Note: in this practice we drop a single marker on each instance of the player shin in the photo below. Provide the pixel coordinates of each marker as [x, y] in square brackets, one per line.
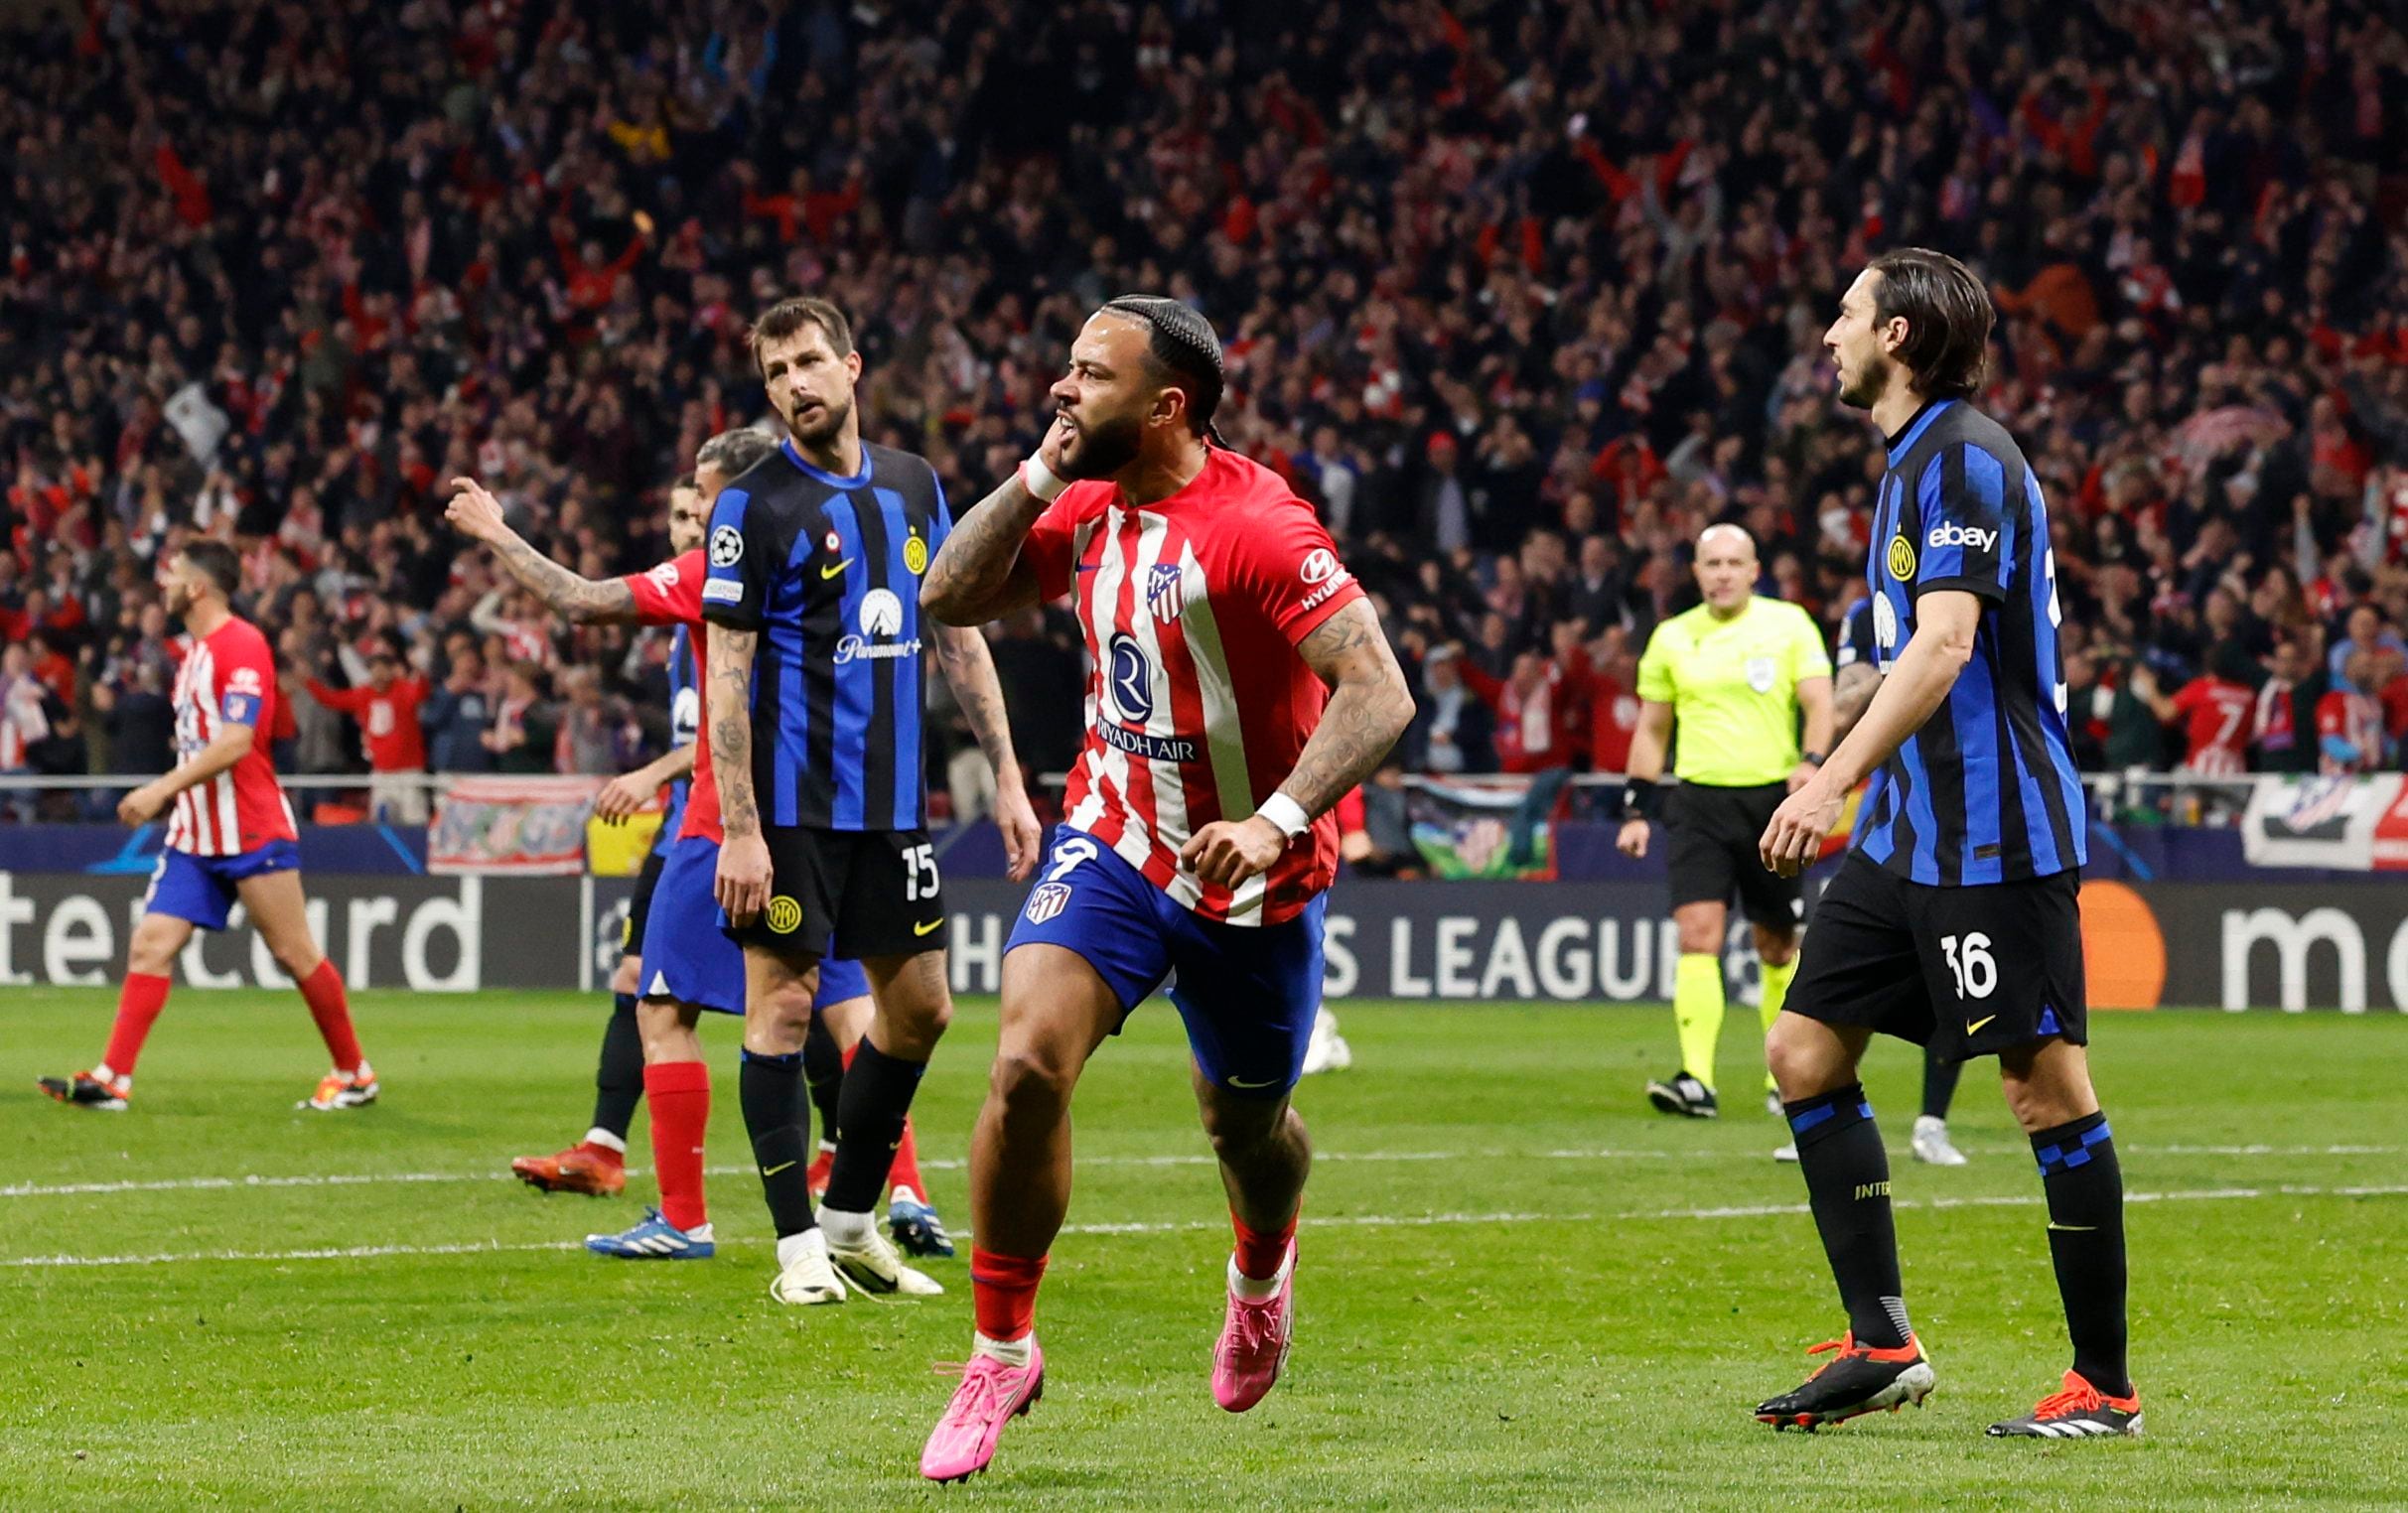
[1227, 621]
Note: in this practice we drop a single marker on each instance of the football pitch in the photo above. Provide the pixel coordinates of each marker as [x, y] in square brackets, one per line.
[1519, 1287]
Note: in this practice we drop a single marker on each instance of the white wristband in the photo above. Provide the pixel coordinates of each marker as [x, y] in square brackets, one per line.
[1038, 480]
[1287, 814]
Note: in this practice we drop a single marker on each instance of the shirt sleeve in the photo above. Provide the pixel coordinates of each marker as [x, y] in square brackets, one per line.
[670, 594]
[1808, 659]
[243, 680]
[1655, 670]
[743, 562]
[1288, 562]
[1961, 505]
[2191, 695]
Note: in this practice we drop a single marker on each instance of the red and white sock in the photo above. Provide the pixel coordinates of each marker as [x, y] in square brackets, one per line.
[138, 1005]
[904, 1175]
[680, 1095]
[603, 1146]
[322, 991]
[1254, 1266]
[1003, 1295]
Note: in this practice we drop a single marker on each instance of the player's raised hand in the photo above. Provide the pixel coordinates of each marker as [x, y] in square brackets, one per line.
[621, 797]
[1023, 837]
[475, 513]
[743, 884]
[1229, 852]
[1796, 836]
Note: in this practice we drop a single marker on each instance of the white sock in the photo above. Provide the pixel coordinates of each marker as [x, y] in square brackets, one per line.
[1012, 1352]
[793, 1248]
[102, 1074]
[598, 1136]
[902, 1194]
[827, 1147]
[847, 1229]
[1256, 1289]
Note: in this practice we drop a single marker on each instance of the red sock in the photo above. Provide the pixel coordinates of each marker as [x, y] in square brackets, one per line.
[1259, 1255]
[905, 1171]
[680, 1095]
[1003, 1293]
[138, 1005]
[322, 990]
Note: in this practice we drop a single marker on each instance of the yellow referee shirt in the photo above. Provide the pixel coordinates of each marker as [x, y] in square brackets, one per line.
[1732, 687]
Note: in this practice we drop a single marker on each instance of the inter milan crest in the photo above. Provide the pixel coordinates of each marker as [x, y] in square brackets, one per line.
[1165, 592]
[915, 555]
[1902, 558]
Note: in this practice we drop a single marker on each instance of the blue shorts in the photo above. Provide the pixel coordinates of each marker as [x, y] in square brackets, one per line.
[202, 888]
[1248, 993]
[687, 957]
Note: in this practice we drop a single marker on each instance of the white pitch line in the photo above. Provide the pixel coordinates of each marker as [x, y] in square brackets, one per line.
[1181, 1226]
[378, 1179]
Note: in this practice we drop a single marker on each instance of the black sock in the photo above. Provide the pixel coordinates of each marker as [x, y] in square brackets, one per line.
[2086, 1188]
[823, 1068]
[1848, 1183]
[1940, 1085]
[772, 1115]
[619, 1079]
[878, 1091]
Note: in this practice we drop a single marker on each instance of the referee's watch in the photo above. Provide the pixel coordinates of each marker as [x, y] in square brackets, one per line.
[1811, 758]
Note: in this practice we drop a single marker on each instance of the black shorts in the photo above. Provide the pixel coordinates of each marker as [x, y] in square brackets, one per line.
[1964, 971]
[854, 893]
[640, 905]
[1717, 836]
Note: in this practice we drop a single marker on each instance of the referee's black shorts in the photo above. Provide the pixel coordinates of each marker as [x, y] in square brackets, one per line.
[1716, 835]
[639, 906]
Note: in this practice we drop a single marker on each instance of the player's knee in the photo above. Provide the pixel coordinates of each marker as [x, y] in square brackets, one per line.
[1804, 1057]
[629, 972]
[1700, 939]
[1236, 1127]
[1776, 948]
[1029, 1081]
[298, 958]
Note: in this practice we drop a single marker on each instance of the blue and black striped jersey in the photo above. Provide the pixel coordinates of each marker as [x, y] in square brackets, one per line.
[1986, 791]
[828, 570]
[1856, 638]
[685, 722]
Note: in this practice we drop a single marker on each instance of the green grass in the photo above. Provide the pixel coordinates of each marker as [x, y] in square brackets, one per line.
[1592, 1341]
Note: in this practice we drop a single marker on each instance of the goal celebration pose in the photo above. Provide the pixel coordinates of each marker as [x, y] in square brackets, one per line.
[1243, 686]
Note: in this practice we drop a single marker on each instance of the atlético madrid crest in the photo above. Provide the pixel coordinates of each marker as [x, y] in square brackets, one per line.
[1045, 900]
[1165, 592]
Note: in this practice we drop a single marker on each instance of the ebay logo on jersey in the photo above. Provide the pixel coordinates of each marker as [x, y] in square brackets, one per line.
[1960, 535]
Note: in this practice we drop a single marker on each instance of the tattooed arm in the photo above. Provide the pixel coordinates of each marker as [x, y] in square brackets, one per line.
[980, 573]
[743, 884]
[1370, 706]
[572, 595]
[1852, 694]
[969, 667]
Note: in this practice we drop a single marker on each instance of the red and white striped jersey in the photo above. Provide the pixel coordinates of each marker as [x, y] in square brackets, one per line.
[1198, 705]
[229, 677]
[671, 595]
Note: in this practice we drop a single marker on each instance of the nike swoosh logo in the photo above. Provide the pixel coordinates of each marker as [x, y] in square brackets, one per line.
[2073, 1229]
[1242, 1082]
[930, 928]
[773, 1170]
[1975, 1026]
[834, 568]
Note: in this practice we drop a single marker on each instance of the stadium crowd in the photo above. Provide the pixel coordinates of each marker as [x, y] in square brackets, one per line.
[1522, 295]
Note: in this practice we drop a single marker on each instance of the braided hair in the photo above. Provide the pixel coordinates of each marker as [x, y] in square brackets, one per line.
[1182, 342]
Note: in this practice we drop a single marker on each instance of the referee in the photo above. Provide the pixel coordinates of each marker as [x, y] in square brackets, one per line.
[1732, 674]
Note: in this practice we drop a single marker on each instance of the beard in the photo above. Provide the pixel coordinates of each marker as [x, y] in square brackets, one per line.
[1104, 449]
[1870, 380]
[824, 426]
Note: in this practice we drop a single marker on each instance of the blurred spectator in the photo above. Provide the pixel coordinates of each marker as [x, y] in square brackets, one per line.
[525, 727]
[1450, 728]
[2349, 724]
[2283, 726]
[1375, 832]
[456, 717]
[386, 706]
